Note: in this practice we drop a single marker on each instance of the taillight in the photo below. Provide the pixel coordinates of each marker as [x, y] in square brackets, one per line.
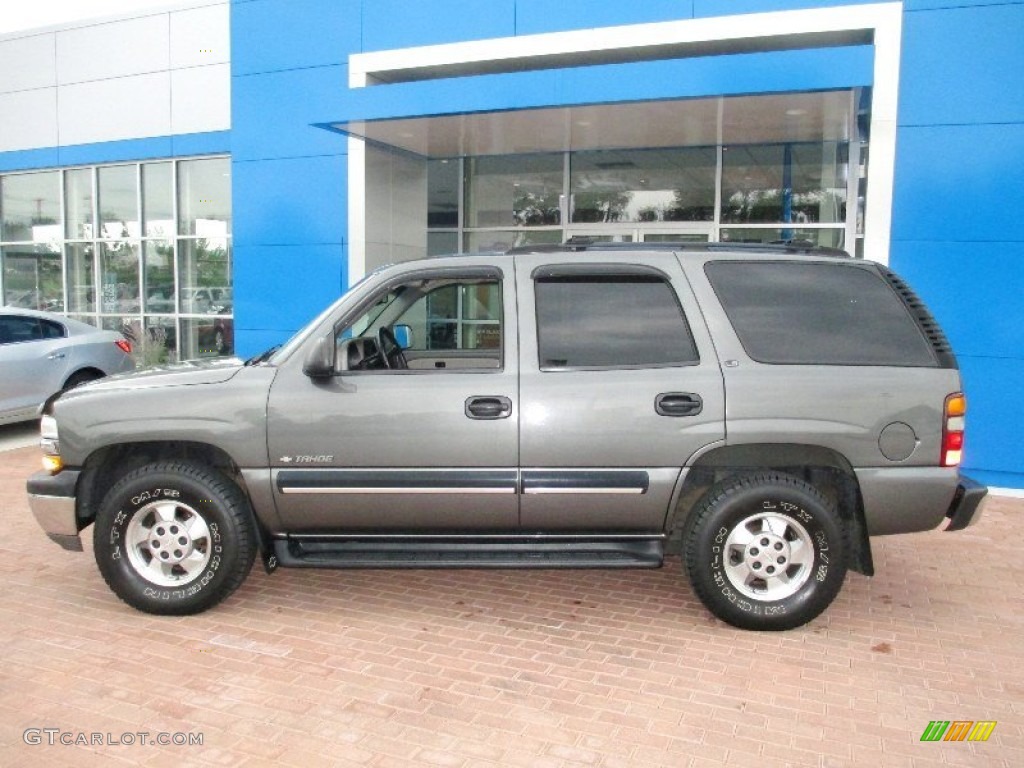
[124, 345]
[953, 429]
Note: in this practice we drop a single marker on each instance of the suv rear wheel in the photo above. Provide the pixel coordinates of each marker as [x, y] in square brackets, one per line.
[765, 551]
[174, 538]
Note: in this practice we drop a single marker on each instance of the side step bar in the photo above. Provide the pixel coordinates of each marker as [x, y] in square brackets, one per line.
[460, 552]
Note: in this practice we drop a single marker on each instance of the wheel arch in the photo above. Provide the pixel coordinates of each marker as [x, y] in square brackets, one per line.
[824, 468]
[106, 465]
[92, 370]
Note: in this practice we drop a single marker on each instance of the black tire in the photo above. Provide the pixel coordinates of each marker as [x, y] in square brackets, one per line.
[81, 377]
[189, 514]
[729, 549]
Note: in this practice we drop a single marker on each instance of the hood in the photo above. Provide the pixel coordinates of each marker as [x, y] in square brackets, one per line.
[182, 374]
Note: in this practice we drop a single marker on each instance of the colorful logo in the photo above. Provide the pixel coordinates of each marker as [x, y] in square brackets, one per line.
[958, 730]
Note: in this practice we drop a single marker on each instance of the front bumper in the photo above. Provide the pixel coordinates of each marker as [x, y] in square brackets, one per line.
[965, 509]
[52, 500]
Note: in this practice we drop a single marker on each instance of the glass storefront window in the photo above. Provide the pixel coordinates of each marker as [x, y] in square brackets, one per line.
[118, 201]
[30, 207]
[798, 183]
[158, 276]
[643, 185]
[78, 204]
[205, 276]
[101, 243]
[204, 197]
[159, 342]
[502, 240]
[205, 337]
[443, 193]
[830, 238]
[157, 200]
[79, 268]
[514, 190]
[439, 243]
[32, 277]
[119, 277]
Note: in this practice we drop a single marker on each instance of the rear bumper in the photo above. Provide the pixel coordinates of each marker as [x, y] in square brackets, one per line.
[52, 500]
[965, 509]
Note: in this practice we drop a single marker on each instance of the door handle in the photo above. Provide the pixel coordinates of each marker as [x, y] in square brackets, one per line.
[55, 356]
[678, 404]
[488, 407]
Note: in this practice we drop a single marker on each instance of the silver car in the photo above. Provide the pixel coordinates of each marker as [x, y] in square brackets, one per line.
[42, 353]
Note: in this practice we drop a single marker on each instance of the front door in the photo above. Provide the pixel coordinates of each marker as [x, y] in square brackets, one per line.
[418, 440]
[619, 387]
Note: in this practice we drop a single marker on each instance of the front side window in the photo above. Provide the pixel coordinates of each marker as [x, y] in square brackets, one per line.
[439, 324]
[610, 321]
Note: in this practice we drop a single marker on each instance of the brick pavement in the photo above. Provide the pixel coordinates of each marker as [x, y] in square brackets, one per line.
[514, 668]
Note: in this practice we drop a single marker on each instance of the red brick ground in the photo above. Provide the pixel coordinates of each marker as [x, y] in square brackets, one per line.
[507, 668]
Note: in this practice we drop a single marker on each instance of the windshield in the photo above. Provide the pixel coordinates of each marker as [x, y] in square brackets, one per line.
[286, 349]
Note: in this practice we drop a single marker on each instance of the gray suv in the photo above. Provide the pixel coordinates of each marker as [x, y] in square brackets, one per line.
[760, 411]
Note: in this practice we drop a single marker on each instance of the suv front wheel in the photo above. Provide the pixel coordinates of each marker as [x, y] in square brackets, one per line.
[765, 551]
[174, 538]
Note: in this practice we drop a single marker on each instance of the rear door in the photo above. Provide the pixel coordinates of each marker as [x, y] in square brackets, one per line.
[33, 360]
[619, 388]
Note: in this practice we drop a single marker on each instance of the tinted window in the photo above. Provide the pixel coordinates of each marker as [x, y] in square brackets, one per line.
[824, 314]
[610, 321]
[14, 329]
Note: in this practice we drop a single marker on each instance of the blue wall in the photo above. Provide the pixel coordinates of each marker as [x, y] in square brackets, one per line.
[958, 233]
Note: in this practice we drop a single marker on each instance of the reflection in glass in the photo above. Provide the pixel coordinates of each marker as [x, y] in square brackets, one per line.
[443, 193]
[157, 200]
[118, 201]
[205, 275]
[503, 240]
[32, 277]
[119, 277]
[204, 197]
[464, 317]
[830, 238]
[799, 183]
[514, 191]
[159, 344]
[78, 204]
[643, 185]
[81, 288]
[158, 276]
[205, 337]
[30, 203]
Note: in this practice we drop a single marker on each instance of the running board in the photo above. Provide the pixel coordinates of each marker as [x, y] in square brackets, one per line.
[460, 552]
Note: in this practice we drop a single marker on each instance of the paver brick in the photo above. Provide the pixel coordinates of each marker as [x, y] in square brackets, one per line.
[545, 669]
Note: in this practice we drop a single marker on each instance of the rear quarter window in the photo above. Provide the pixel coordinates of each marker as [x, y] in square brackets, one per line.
[817, 314]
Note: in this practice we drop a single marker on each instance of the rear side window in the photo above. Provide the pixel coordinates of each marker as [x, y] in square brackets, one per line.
[817, 314]
[16, 328]
[610, 321]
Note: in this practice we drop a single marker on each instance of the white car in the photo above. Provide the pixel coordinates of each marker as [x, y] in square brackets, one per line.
[42, 353]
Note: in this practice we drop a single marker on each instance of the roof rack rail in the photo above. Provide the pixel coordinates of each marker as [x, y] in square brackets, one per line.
[580, 244]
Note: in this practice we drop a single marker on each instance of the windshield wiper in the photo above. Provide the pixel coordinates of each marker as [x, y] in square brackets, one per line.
[262, 356]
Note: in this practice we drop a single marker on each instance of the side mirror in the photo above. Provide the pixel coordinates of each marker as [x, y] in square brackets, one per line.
[403, 335]
[319, 362]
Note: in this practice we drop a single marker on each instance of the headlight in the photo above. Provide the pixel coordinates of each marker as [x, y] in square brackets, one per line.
[50, 443]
